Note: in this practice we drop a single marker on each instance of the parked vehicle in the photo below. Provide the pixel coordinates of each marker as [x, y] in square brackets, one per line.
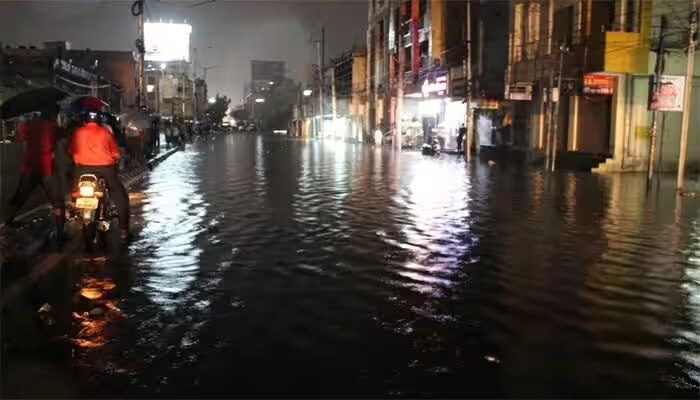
[97, 213]
[432, 149]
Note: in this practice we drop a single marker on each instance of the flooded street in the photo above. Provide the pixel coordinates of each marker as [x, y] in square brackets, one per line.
[270, 267]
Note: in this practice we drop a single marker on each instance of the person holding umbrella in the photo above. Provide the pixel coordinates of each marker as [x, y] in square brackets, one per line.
[40, 135]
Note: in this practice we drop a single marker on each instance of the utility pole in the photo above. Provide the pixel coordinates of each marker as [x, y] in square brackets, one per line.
[685, 122]
[321, 55]
[658, 70]
[194, 84]
[398, 128]
[550, 100]
[563, 49]
[333, 101]
[468, 78]
[137, 11]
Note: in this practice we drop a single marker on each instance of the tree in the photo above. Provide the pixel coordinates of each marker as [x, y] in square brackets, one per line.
[276, 111]
[240, 114]
[218, 109]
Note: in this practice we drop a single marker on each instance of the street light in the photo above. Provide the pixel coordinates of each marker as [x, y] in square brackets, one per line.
[307, 92]
[259, 100]
[163, 66]
[212, 100]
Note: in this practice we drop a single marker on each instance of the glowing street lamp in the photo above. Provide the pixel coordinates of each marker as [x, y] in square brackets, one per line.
[259, 100]
[212, 100]
[307, 92]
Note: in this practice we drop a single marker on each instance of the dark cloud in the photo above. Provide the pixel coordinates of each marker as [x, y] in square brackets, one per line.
[236, 31]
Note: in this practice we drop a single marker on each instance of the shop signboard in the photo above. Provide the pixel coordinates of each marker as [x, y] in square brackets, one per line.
[74, 70]
[487, 104]
[669, 94]
[438, 86]
[519, 92]
[598, 84]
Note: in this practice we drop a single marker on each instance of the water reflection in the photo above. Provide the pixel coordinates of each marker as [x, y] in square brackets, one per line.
[437, 201]
[173, 213]
[274, 267]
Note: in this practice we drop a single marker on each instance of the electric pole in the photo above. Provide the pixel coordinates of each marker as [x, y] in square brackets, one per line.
[194, 84]
[548, 135]
[468, 81]
[321, 55]
[563, 49]
[398, 129]
[137, 11]
[333, 101]
[685, 122]
[658, 70]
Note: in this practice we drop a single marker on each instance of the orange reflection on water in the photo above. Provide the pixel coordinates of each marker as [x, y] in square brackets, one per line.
[95, 325]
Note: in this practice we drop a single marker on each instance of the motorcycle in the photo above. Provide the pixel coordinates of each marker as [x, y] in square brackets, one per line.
[432, 149]
[97, 212]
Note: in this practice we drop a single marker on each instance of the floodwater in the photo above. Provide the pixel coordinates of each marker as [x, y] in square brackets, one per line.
[265, 266]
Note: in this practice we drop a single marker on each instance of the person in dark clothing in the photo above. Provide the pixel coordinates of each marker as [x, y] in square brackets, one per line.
[40, 135]
[460, 136]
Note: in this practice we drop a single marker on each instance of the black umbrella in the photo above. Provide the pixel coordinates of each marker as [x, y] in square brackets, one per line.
[30, 101]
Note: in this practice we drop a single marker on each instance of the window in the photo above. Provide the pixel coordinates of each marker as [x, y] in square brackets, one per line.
[533, 30]
[518, 32]
[632, 16]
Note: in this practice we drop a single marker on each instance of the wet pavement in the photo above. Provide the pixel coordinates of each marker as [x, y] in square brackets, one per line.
[265, 266]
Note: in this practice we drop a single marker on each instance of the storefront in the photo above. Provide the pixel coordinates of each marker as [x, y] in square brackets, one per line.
[428, 111]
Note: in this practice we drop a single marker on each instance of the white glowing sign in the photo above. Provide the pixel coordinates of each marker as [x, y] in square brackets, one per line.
[439, 86]
[166, 41]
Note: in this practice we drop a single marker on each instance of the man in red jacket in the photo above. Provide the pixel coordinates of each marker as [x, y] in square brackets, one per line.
[40, 135]
[94, 150]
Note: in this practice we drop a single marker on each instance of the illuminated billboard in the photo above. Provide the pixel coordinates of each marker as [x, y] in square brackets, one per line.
[166, 41]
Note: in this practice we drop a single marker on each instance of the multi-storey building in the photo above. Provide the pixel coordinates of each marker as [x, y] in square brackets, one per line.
[23, 68]
[432, 48]
[347, 94]
[171, 92]
[605, 50]
[117, 65]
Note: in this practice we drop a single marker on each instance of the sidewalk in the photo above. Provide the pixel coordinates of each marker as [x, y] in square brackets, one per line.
[35, 226]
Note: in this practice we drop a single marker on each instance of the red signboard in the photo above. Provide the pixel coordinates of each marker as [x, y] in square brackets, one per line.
[599, 84]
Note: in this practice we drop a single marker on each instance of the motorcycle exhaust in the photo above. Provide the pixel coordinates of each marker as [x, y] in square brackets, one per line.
[103, 226]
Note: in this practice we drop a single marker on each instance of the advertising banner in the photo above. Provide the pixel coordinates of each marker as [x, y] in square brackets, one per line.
[669, 94]
[166, 41]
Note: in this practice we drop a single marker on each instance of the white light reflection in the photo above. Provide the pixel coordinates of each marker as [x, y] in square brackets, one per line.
[693, 289]
[173, 214]
[438, 199]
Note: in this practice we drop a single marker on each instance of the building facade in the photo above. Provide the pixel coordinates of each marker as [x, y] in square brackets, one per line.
[171, 92]
[23, 68]
[119, 66]
[603, 52]
[345, 95]
[414, 41]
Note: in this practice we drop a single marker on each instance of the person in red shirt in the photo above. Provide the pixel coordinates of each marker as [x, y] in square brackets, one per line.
[40, 135]
[94, 150]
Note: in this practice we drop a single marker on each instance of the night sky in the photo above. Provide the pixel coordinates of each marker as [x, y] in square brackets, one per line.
[237, 31]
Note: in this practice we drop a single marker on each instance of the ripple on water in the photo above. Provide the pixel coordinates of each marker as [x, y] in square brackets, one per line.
[306, 267]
